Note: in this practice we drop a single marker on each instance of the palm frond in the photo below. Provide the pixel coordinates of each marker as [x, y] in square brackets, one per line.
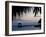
[36, 10]
[19, 9]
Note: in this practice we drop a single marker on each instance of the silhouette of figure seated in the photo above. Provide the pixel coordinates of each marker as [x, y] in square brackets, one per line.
[39, 22]
[19, 25]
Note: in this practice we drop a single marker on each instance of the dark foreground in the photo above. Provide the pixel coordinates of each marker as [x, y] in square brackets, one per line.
[26, 27]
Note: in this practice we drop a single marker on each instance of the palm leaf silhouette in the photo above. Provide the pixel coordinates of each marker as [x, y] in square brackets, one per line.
[20, 9]
[36, 10]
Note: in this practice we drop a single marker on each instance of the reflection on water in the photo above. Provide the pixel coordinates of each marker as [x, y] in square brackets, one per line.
[25, 25]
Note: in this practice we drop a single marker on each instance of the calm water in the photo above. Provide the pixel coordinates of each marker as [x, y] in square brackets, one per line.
[26, 25]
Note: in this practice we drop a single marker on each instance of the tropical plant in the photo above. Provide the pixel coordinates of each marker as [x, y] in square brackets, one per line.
[36, 10]
[20, 9]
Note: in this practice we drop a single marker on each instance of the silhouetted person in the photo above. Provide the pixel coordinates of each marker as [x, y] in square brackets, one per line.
[19, 25]
[39, 21]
